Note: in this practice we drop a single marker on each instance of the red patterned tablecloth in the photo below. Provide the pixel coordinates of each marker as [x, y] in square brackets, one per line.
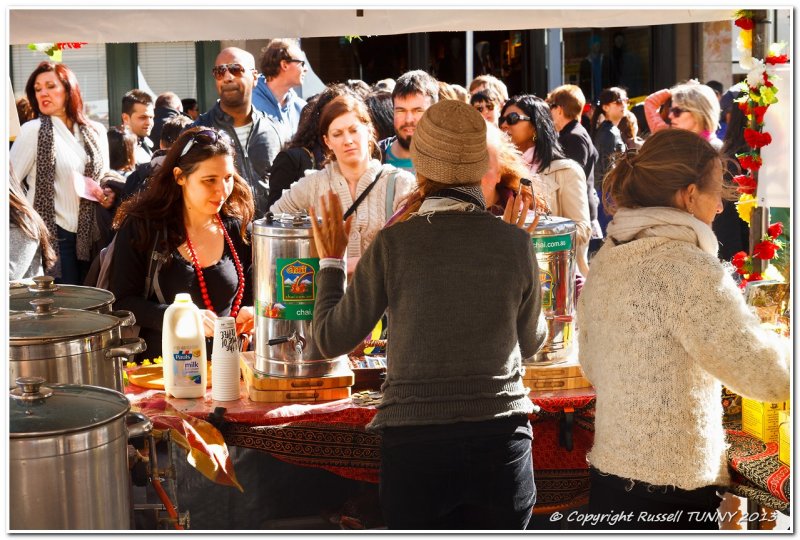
[757, 472]
[331, 436]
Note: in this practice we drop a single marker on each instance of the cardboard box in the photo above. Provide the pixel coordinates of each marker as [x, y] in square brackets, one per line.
[760, 419]
[785, 436]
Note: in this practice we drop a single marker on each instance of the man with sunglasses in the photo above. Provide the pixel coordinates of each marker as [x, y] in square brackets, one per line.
[566, 105]
[283, 67]
[254, 135]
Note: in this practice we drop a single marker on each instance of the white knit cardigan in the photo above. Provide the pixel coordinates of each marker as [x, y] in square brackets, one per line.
[661, 325]
[369, 217]
[70, 157]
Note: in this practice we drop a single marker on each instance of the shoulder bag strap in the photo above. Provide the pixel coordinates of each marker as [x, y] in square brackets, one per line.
[390, 189]
[363, 195]
[153, 268]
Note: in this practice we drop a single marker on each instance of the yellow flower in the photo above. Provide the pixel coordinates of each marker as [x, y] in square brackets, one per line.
[747, 39]
[745, 206]
[772, 274]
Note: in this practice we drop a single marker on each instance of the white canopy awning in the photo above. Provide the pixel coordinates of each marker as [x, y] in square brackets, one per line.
[149, 24]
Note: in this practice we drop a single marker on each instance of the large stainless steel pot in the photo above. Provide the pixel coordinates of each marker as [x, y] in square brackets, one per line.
[68, 464]
[70, 345]
[64, 296]
[554, 244]
[286, 265]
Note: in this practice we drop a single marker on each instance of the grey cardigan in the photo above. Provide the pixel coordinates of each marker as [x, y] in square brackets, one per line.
[464, 303]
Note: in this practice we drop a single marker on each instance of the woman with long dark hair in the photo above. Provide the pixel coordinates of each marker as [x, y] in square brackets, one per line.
[60, 158]
[194, 213]
[607, 139]
[527, 120]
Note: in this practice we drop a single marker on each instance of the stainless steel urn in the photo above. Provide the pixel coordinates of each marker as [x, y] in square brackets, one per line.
[286, 265]
[554, 245]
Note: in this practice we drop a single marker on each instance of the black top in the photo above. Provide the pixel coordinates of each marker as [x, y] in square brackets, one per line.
[608, 141]
[177, 275]
[577, 146]
[290, 165]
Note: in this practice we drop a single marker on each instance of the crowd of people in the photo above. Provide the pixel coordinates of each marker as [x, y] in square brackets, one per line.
[422, 189]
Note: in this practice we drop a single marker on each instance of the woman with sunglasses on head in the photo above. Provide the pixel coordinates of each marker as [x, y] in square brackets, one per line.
[368, 190]
[60, 158]
[194, 213]
[694, 107]
[663, 325]
[527, 120]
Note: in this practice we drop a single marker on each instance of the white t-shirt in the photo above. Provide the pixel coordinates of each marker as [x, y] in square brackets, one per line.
[242, 133]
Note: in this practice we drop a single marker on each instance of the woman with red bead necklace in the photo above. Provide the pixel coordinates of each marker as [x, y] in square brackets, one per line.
[196, 211]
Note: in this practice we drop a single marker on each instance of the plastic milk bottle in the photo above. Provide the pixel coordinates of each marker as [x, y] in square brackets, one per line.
[183, 346]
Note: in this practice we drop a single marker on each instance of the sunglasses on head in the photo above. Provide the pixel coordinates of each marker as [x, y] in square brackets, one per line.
[512, 119]
[676, 111]
[295, 60]
[205, 137]
[237, 70]
[485, 106]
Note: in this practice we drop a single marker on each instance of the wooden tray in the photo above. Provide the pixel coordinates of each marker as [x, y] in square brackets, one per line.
[153, 376]
[566, 383]
[259, 381]
[309, 395]
[561, 370]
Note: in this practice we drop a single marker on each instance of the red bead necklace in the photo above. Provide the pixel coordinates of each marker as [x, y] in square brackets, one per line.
[202, 280]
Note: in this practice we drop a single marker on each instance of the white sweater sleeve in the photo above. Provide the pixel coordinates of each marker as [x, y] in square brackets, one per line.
[299, 197]
[726, 338]
[102, 140]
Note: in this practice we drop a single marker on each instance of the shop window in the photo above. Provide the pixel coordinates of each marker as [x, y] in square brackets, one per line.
[168, 67]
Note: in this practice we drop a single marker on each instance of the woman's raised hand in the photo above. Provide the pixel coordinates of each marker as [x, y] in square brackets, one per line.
[331, 233]
[517, 209]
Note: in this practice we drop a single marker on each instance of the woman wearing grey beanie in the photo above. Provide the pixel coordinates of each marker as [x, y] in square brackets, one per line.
[456, 440]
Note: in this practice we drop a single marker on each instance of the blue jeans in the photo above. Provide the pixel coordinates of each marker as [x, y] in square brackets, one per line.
[73, 271]
[470, 482]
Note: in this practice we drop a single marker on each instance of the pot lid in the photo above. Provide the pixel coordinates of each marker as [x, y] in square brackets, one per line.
[291, 224]
[44, 322]
[36, 410]
[66, 296]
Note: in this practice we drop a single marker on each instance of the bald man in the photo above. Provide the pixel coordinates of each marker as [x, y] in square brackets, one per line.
[254, 135]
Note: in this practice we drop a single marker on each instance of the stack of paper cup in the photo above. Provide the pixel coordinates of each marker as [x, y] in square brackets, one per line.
[225, 361]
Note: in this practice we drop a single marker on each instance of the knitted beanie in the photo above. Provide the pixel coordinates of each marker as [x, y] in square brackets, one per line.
[449, 144]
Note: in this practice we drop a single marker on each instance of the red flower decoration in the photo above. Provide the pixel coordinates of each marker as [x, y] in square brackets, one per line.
[755, 139]
[765, 250]
[780, 59]
[759, 112]
[766, 80]
[747, 184]
[749, 161]
[739, 259]
[755, 277]
[745, 23]
[775, 230]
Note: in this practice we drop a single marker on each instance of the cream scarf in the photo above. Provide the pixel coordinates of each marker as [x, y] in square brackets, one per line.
[664, 222]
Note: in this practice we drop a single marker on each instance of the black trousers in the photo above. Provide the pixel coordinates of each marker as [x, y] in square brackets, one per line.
[475, 482]
[619, 503]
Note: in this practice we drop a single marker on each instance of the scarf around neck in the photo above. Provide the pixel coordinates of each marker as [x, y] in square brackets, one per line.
[467, 198]
[662, 222]
[44, 197]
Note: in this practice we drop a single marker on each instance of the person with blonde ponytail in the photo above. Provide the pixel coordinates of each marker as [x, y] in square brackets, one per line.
[663, 327]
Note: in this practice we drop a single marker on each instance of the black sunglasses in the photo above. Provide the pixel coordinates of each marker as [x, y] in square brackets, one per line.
[205, 137]
[237, 70]
[301, 62]
[512, 119]
[677, 111]
[487, 106]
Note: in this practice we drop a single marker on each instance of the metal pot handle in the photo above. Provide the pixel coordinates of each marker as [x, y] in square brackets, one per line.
[127, 348]
[138, 425]
[126, 318]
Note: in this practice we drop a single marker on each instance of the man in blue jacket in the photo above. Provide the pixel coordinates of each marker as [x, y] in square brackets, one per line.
[283, 67]
[252, 132]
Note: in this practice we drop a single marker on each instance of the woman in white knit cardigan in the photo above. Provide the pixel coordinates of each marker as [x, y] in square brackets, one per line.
[348, 135]
[663, 325]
